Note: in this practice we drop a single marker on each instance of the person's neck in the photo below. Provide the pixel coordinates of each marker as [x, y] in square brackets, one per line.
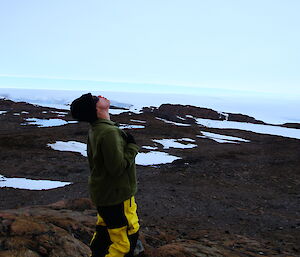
[103, 115]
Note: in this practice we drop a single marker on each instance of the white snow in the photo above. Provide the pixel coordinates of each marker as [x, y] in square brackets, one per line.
[226, 115]
[46, 123]
[141, 159]
[31, 184]
[71, 146]
[180, 118]
[154, 157]
[222, 138]
[17, 114]
[173, 143]
[2, 112]
[140, 121]
[60, 113]
[257, 128]
[149, 147]
[117, 111]
[187, 139]
[174, 123]
[127, 126]
[190, 116]
[150, 158]
[23, 112]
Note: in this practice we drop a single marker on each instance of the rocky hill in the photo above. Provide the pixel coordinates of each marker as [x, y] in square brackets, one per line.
[235, 198]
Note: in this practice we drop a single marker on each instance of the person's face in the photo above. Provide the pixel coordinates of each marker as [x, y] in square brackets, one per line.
[102, 103]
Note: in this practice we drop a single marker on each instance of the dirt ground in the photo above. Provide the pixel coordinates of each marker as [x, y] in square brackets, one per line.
[249, 189]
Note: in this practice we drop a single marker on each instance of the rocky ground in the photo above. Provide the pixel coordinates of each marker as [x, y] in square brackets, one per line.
[218, 200]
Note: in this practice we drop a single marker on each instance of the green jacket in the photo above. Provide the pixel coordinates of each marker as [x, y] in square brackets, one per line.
[112, 164]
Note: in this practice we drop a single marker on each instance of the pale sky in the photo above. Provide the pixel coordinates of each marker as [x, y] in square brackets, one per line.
[235, 44]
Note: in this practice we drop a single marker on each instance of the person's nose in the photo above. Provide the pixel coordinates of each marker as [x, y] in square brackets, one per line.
[100, 96]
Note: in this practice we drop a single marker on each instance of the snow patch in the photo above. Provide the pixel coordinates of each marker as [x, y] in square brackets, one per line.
[187, 139]
[149, 147]
[173, 143]
[60, 114]
[150, 158]
[117, 111]
[127, 126]
[226, 115]
[180, 118]
[190, 116]
[140, 121]
[70, 146]
[174, 123]
[222, 138]
[31, 184]
[154, 157]
[257, 128]
[47, 123]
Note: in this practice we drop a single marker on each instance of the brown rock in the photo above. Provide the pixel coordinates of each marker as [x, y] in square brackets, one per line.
[42, 231]
[19, 253]
[25, 225]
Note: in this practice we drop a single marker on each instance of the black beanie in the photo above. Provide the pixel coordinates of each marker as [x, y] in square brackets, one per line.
[84, 108]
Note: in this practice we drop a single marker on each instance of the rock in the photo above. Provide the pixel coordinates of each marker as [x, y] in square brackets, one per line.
[45, 231]
[190, 248]
[19, 253]
[172, 111]
[23, 225]
[66, 227]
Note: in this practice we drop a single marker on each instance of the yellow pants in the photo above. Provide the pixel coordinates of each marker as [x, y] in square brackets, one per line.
[116, 231]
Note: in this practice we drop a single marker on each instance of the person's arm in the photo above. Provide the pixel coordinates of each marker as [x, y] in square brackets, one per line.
[89, 153]
[131, 151]
[116, 158]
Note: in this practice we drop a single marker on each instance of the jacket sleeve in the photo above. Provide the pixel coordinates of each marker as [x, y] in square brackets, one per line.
[88, 151]
[116, 157]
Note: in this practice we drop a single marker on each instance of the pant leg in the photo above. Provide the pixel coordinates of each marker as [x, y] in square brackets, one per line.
[130, 207]
[122, 226]
[133, 240]
[101, 241]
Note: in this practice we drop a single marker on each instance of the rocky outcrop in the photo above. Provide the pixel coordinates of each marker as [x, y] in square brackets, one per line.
[64, 229]
[176, 112]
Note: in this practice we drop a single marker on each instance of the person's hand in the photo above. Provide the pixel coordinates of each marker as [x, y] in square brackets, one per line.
[130, 138]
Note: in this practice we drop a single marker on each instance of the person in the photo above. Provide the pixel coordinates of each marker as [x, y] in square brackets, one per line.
[112, 181]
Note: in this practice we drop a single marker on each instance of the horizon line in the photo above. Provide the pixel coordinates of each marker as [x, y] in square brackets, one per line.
[116, 81]
[149, 83]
